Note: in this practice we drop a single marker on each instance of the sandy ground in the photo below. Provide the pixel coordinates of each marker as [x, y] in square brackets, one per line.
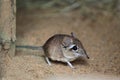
[100, 38]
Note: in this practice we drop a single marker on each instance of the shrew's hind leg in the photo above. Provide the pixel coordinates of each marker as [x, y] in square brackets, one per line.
[47, 60]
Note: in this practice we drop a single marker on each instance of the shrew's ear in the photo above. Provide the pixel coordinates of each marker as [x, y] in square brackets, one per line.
[73, 35]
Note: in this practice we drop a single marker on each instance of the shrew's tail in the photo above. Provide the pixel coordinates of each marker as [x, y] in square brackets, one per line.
[29, 47]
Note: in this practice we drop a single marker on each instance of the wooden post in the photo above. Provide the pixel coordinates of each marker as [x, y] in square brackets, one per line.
[7, 31]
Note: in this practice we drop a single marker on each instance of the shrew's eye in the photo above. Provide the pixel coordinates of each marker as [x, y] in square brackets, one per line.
[74, 47]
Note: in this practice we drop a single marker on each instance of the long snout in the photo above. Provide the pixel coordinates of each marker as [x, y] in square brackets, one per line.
[85, 54]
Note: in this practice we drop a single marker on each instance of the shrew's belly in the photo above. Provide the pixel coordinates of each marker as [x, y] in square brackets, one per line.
[63, 59]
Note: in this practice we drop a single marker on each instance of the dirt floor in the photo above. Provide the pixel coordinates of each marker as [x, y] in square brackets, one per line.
[100, 37]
